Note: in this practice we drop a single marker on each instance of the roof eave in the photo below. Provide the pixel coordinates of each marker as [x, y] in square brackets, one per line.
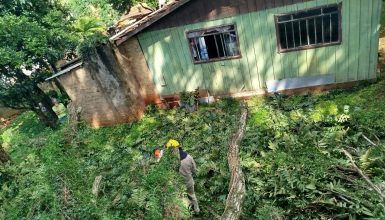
[145, 22]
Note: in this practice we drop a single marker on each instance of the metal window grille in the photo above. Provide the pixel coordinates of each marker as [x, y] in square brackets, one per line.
[310, 28]
[213, 44]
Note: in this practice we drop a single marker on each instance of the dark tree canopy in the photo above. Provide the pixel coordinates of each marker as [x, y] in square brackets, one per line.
[34, 35]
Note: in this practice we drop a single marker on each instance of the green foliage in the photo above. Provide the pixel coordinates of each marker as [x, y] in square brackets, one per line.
[292, 158]
[88, 44]
[33, 36]
[97, 9]
[190, 98]
[53, 171]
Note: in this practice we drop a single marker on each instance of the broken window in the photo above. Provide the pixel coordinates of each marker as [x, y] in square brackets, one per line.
[213, 44]
[309, 29]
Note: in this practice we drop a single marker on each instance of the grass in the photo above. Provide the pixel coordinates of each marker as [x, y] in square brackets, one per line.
[291, 156]
[53, 171]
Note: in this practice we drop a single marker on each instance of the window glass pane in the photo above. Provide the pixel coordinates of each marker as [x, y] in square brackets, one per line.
[319, 30]
[202, 49]
[232, 44]
[214, 43]
[282, 36]
[303, 33]
[327, 27]
[297, 36]
[308, 28]
[284, 18]
[220, 45]
[309, 13]
[330, 9]
[335, 28]
[289, 31]
[311, 30]
[193, 49]
[211, 47]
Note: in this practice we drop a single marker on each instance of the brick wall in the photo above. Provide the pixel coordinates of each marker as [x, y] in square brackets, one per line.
[112, 87]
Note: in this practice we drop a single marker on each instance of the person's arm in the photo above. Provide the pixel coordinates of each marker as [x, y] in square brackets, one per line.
[193, 166]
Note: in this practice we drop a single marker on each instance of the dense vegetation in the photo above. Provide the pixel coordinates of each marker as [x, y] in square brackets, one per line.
[35, 35]
[291, 156]
[293, 159]
[53, 172]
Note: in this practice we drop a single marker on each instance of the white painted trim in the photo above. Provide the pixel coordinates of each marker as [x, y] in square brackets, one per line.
[66, 70]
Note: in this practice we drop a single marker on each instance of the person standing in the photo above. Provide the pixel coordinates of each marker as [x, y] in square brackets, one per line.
[187, 169]
[60, 110]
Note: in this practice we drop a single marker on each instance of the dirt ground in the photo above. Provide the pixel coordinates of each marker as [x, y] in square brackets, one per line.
[7, 115]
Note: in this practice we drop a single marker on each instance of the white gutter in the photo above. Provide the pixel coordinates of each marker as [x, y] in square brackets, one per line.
[66, 70]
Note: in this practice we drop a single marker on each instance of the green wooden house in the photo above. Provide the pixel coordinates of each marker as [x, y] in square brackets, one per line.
[249, 47]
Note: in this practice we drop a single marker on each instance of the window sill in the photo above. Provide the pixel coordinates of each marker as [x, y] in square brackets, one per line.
[309, 47]
[217, 60]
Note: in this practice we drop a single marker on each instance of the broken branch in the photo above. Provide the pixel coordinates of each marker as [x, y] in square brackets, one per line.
[371, 142]
[237, 189]
[365, 177]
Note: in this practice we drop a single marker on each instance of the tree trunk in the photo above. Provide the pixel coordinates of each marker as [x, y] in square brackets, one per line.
[48, 117]
[237, 190]
[57, 83]
[4, 157]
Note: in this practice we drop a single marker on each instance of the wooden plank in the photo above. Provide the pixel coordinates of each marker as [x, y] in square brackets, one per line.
[233, 79]
[354, 39]
[303, 66]
[243, 6]
[269, 4]
[268, 45]
[187, 78]
[364, 48]
[217, 73]
[320, 65]
[331, 57]
[261, 5]
[197, 71]
[290, 59]
[147, 48]
[311, 56]
[252, 6]
[277, 57]
[250, 36]
[263, 60]
[376, 13]
[217, 9]
[161, 57]
[278, 3]
[287, 2]
[342, 53]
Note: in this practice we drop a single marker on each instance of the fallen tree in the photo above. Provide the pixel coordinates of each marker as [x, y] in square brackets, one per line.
[237, 190]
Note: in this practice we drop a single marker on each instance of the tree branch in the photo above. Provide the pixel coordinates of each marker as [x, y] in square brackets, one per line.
[366, 178]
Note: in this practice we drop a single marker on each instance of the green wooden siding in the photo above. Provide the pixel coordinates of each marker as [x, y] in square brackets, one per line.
[169, 60]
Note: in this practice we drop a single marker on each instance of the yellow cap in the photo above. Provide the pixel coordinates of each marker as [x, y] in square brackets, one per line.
[172, 143]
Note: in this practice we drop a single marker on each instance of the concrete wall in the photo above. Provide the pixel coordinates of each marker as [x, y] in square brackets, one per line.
[130, 57]
[112, 86]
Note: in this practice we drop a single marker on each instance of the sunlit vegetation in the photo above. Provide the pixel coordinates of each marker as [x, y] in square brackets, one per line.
[291, 156]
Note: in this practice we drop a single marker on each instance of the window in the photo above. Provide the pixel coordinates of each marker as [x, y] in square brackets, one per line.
[309, 29]
[213, 44]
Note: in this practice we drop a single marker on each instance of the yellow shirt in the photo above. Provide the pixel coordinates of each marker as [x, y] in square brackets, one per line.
[60, 110]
